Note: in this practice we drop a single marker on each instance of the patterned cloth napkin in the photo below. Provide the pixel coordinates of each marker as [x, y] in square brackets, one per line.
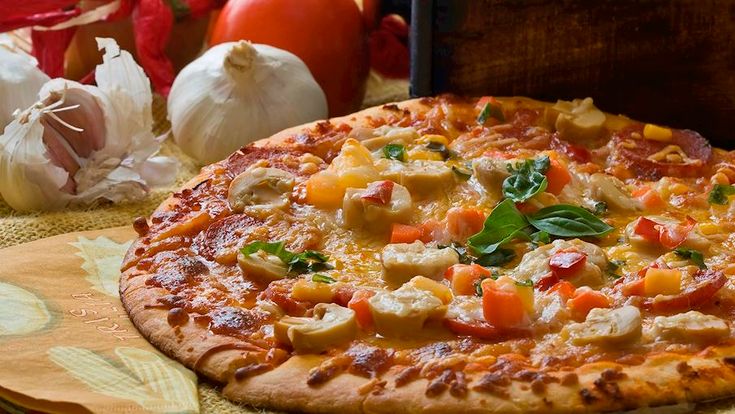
[67, 343]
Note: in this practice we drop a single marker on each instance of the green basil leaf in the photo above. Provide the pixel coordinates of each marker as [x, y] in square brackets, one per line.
[719, 194]
[614, 265]
[305, 262]
[445, 152]
[600, 208]
[491, 110]
[318, 277]
[499, 257]
[526, 179]
[564, 220]
[503, 224]
[395, 152]
[694, 255]
[277, 249]
[540, 237]
[464, 257]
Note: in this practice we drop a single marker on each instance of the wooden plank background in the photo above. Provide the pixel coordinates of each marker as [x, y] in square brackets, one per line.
[671, 62]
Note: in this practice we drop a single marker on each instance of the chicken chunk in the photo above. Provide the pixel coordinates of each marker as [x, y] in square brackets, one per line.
[260, 188]
[689, 326]
[421, 177]
[402, 261]
[535, 264]
[404, 311]
[606, 327]
[360, 210]
[613, 192]
[491, 172]
[578, 120]
[331, 325]
[403, 136]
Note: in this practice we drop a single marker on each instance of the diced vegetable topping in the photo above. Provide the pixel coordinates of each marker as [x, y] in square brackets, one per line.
[464, 278]
[656, 133]
[558, 177]
[378, 192]
[662, 282]
[404, 233]
[526, 179]
[585, 300]
[304, 262]
[395, 152]
[669, 236]
[567, 263]
[491, 108]
[719, 194]
[501, 308]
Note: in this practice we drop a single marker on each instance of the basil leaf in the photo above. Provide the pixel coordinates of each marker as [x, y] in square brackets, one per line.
[615, 264]
[395, 152]
[694, 255]
[462, 173]
[719, 194]
[499, 257]
[503, 224]
[540, 237]
[464, 257]
[526, 180]
[600, 208]
[277, 249]
[491, 110]
[318, 277]
[434, 146]
[564, 220]
[305, 262]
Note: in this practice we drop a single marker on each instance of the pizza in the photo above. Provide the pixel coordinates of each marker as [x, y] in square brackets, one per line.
[450, 254]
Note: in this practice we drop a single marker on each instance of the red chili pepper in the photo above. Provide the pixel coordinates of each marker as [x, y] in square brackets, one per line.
[49, 47]
[153, 20]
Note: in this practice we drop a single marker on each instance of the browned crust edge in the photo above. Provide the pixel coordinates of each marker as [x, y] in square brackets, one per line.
[660, 380]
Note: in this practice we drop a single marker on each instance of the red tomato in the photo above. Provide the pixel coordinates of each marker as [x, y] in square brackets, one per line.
[547, 281]
[379, 192]
[669, 236]
[328, 35]
[567, 264]
[648, 229]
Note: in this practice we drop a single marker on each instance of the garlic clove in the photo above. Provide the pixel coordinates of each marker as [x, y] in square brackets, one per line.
[84, 114]
[20, 81]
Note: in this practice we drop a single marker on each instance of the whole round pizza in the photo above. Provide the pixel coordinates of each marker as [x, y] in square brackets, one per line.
[450, 255]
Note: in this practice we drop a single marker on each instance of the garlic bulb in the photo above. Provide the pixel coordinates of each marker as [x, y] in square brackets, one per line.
[80, 143]
[239, 92]
[20, 81]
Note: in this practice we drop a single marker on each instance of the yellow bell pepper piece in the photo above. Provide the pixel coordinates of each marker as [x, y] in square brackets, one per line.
[315, 292]
[656, 133]
[662, 282]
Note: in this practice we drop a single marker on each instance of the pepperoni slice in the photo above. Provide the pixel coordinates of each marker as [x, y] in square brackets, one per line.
[632, 151]
[223, 238]
[708, 282]
[484, 330]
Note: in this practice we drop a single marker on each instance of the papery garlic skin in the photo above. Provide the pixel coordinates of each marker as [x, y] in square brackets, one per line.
[239, 92]
[79, 144]
[20, 80]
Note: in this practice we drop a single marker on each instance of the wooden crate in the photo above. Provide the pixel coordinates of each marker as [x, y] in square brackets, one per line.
[670, 62]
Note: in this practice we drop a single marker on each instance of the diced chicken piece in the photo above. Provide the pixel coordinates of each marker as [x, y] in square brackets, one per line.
[578, 120]
[606, 327]
[421, 177]
[553, 310]
[689, 326]
[491, 172]
[405, 136]
[260, 187]
[404, 311]
[695, 240]
[331, 325]
[403, 261]
[613, 192]
[466, 309]
[535, 264]
[261, 266]
[360, 211]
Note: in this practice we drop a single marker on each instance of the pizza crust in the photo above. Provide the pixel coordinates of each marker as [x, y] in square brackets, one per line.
[661, 380]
